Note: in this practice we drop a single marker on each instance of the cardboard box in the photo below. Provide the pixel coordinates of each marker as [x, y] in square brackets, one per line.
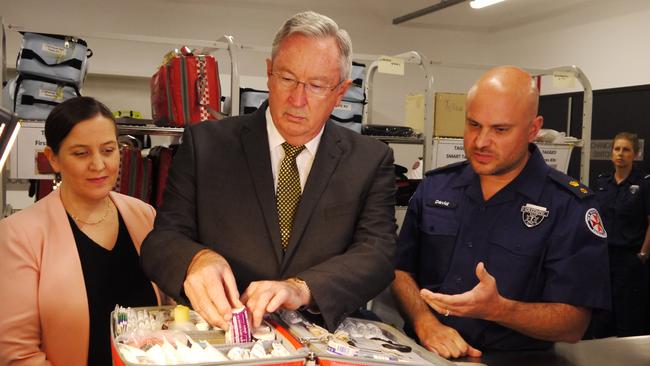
[449, 115]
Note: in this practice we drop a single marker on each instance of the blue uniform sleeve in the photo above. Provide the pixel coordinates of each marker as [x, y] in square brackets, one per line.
[409, 235]
[577, 263]
[645, 191]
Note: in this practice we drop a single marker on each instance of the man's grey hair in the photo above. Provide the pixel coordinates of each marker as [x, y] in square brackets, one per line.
[314, 25]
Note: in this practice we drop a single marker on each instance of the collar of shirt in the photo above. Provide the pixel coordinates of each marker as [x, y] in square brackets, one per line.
[528, 182]
[304, 160]
[634, 177]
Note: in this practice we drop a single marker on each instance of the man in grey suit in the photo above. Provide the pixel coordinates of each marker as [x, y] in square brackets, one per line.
[224, 226]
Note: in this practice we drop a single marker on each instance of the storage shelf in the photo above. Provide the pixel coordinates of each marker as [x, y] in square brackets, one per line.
[399, 140]
[148, 130]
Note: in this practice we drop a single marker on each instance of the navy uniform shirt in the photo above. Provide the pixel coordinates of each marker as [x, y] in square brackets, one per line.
[625, 208]
[540, 236]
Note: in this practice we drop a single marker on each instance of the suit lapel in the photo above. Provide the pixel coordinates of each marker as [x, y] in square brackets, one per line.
[256, 148]
[327, 158]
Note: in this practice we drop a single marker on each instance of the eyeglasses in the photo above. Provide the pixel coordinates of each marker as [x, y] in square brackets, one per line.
[313, 87]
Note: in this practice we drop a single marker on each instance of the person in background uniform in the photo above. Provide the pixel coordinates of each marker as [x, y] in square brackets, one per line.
[501, 251]
[226, 224]
[66, 261]
[624, 197]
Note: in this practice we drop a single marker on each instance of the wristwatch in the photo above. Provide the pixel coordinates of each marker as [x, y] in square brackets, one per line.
[301, 283]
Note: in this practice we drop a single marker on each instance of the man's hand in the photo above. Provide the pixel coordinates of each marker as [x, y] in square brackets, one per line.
[482, 302]
[443, 340]
[211, 288]
[263, 297]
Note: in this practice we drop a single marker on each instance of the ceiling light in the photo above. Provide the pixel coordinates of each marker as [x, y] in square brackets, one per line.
[478, 4]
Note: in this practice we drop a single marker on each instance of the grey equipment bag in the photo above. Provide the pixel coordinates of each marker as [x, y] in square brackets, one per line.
[33, 97]
[62, 58]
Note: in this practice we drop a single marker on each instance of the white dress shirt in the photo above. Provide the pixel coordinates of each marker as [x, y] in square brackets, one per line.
[304, 160]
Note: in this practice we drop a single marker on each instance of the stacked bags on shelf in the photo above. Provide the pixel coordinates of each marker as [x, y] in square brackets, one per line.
[51, 69]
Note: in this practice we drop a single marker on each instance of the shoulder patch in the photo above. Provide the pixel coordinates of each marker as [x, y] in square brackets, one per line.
[595, 223]
[578, 189]
[446, 168]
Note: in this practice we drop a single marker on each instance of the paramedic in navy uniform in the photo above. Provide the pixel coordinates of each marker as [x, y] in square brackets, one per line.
[507, 252]
[624, 197]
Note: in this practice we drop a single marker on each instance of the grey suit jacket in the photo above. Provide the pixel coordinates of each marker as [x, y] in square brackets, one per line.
[220, 195]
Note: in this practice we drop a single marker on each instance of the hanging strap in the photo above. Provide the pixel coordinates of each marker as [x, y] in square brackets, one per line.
[28, 54]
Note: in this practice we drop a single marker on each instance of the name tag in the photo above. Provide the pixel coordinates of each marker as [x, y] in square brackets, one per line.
[441, 203]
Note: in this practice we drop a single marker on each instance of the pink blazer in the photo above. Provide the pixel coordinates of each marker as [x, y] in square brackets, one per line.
[44, 310]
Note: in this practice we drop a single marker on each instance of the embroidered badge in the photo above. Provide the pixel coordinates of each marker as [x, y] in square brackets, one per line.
[634, 188]
[583, 190]
[533, 215]
[595, 223]
[574, 183]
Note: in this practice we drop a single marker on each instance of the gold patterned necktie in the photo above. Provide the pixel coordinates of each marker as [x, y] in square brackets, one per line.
[289, 191]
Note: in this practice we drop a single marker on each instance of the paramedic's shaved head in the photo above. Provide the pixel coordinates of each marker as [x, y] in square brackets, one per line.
[501, 121]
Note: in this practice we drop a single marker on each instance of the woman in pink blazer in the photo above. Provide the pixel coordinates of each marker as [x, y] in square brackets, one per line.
[68, 259]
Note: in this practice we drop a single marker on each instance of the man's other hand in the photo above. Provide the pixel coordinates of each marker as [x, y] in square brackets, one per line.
[263, 297]
[444, 341]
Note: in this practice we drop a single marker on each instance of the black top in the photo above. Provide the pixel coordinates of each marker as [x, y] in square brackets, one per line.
[625, 208]
[111, 277]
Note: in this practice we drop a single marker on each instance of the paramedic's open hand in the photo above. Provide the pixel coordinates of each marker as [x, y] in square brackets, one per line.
[263, 297]
[211, 288]
[481, 302]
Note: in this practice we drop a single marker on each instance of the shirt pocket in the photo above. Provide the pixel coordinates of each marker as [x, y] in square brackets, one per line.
[514, 258]
[438, 230]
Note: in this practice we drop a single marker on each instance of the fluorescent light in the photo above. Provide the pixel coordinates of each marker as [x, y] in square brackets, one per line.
[9, 127]
[12, 139]
[478, 4]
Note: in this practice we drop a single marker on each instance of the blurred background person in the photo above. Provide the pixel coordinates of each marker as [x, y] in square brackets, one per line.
[69, 258]
[624, 197]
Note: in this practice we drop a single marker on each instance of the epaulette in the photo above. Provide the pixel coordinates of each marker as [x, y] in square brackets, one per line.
[572, 185]
[452, 166]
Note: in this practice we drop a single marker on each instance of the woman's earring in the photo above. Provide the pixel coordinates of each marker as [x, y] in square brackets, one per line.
[56, 182]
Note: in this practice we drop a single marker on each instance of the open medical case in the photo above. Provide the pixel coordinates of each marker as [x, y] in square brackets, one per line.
[288, 339]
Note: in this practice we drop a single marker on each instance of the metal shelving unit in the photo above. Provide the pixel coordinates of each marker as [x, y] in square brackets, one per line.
[149, 130]
[205, 47]
[411, 57]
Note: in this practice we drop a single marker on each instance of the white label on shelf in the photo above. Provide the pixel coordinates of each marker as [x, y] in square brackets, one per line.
[30, 141]
[344, 106]
[55, 50]
[391, 65]
[556, 156]
[563, 79]
[51, 94]
[448, 152]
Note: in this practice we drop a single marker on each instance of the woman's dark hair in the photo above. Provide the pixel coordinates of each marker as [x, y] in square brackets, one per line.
[631, 137]
[66, 115]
